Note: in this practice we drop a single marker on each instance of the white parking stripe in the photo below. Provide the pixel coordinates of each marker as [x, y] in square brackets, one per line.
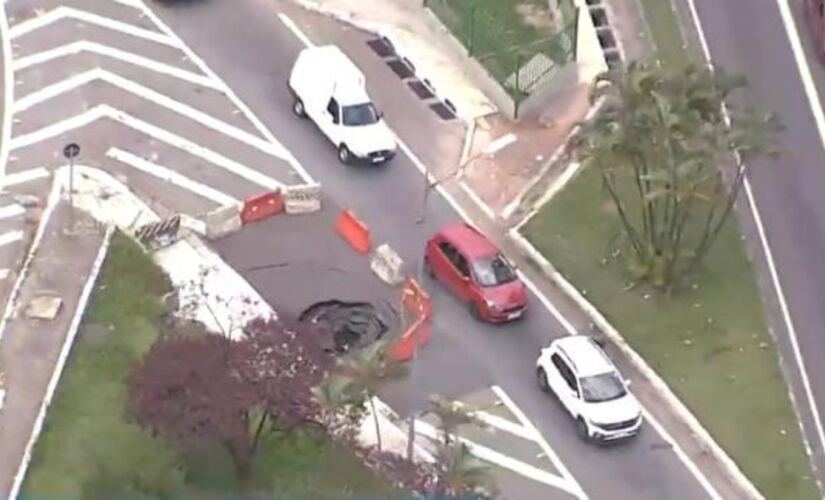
[149, 94]
[121, 55]
[502, 460]
[64, 12]
[10, 237]
[23, 176]
[171, 176]
[4, 273]
[8, 94]
[502, 424]
[13, 210]
[106, 111]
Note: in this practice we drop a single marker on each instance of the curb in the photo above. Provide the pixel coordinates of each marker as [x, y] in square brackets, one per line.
[74, 327]
[702, 436]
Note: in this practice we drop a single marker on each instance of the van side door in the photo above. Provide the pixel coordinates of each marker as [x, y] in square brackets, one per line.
[329, 121]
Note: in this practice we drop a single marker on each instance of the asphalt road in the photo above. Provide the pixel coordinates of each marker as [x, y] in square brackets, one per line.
[749, 38]
[246, 43]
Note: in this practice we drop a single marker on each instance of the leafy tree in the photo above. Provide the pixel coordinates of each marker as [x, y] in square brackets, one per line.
[203, 390]
[461, 474]
[663, 147]
[365, 370]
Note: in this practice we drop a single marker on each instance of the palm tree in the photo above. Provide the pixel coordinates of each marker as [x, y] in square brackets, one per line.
[663, 146]
[366, 369]
[451, 415]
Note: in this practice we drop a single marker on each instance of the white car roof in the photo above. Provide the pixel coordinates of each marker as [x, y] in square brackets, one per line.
[585, 354]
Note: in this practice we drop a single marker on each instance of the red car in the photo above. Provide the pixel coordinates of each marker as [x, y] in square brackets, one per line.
[476, 271]
[815, 13]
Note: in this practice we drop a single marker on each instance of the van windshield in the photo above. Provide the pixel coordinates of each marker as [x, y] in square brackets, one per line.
[360, 114]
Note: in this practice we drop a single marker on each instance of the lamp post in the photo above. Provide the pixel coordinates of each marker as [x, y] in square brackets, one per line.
[70, 152]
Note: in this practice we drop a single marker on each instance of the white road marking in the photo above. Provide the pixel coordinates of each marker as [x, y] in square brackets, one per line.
[8, 94]
[64, 12]
[13, 210]
[819, 118]
[257, 123]
[477, 200]
[106, 111]
[23, 176]
[502, 424]
[133, 87]
[4, 273]
[171, 176]
[299, 34]
[10, 237]
[121, 55]
[502, 460]
[539, 438]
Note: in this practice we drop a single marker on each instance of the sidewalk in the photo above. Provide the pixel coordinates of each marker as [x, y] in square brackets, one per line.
[32, 351]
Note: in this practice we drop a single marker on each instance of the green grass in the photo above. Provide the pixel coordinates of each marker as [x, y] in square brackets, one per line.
[86, 436]
[492, 30]
[710, 344]
[664, 30]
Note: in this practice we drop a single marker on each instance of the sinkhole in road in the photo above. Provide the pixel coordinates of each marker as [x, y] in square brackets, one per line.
[353, 325]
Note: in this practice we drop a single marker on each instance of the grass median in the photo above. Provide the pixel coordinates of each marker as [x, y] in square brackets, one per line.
[709, 342]
[89, 450]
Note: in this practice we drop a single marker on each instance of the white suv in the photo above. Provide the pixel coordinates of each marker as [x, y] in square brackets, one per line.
[590, 388]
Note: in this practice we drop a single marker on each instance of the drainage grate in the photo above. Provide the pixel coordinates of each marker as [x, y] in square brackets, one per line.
[613, 58]
[382, 46]
[420, 89]
[606, 38]
[599, 16]
[443, 112]
[401, 68]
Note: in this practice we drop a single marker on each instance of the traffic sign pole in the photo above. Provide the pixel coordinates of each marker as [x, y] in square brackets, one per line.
[70, 152]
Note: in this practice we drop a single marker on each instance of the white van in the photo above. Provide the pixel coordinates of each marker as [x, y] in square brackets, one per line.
[331, 90]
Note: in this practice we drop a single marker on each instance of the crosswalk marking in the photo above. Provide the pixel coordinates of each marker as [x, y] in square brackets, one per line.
[13, 210]
[16, 178]
[10, 237]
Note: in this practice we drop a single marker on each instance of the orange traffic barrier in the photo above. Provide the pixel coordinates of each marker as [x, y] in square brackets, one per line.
[416, 300]
[354, 231]
[262, 206]
[404, 348]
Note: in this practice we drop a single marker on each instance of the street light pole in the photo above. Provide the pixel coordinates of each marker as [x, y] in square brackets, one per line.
[70, 152]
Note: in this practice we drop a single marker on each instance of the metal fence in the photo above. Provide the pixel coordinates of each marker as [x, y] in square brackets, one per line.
[519, 57]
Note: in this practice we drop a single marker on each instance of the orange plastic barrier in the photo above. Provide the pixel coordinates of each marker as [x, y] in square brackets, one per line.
[354, 231]
[404, 349]
[417, 302]
[262, 206]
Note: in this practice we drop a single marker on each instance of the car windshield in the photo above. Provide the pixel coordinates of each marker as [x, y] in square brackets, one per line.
[604, 387]
[360, 114]
[493, 272]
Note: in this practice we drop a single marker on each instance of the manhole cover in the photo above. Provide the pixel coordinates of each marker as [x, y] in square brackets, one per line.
[382, 47]
[352, 324]
[401, 68]
[420, 89]
[443, 112]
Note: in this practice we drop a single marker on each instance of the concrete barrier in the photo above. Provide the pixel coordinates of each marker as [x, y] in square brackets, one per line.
[223, 221]
[388, 265]
[302, 199]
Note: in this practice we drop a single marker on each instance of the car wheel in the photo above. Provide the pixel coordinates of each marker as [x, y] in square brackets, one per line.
[475, 312]
[344, 155]
[541, 378]
[428, 269]
[581, 429]
[298, 108]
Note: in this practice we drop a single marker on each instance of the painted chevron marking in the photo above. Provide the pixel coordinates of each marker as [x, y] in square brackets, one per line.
[24, 176]
[106, 111]
[10, 237]
[121, 55]
[13, 210]
[128, 85]
[4, 273]
[64, 12]
[171, 176]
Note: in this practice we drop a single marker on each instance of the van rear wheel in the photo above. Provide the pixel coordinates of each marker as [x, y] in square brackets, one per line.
[344, 155]
[298, 108]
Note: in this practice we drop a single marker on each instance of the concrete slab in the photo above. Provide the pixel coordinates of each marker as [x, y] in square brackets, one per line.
[44, 308]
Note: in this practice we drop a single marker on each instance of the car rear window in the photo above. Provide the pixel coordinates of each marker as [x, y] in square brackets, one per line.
[493, 272]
